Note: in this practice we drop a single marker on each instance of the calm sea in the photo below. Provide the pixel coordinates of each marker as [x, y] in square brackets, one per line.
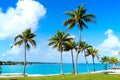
[48, 68]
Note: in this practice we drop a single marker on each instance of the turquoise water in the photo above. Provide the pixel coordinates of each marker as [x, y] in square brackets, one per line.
[48, 68]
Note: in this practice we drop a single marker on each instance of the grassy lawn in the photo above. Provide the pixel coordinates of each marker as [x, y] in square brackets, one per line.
[71, 77]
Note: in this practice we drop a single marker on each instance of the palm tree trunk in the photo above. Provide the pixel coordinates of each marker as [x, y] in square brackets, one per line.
[76, 64]
[93, 63]
[79, 34]
[0, 69]
[86, 62]
[24, 60]
[105, 66]
[114, 65]
[73, 61]
[79, 31]
[61, 68]
[61, 63]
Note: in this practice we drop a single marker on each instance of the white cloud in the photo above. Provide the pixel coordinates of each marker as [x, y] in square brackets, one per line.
[111, 45]
[26, 15]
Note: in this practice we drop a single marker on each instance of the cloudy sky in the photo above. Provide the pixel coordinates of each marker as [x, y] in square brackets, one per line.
[45, 17]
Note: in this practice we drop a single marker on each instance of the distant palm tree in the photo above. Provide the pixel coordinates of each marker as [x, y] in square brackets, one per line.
[94, 53]
[58, 41]
[83, 47]
[78, 17]
[104, 61]
[69, 46]
[118, 52]
[113, 60]
[27, 38]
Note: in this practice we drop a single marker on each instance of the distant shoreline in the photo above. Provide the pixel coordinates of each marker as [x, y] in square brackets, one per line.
[22, 63]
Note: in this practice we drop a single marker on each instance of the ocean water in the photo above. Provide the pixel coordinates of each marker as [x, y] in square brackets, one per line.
[49, 68]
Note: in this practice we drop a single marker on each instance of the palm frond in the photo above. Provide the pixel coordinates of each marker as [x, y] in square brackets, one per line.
[18, 36]
[31, 35]
[32, 42]
[70, 13]
[68, 21]
[80, 7]
[18, 43]
[89, 18]
[51, 43]
[27, 46]
[84, 25]
[71, 26]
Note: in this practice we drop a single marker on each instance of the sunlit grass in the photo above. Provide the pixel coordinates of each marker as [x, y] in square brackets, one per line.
[71, 77]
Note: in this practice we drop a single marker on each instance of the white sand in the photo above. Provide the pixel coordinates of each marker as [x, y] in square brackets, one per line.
[14, 75]
[107, 71]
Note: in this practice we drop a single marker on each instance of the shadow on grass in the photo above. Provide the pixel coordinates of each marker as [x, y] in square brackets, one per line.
[13, 79]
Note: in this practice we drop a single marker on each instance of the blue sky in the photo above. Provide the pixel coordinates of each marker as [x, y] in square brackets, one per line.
[46, 17]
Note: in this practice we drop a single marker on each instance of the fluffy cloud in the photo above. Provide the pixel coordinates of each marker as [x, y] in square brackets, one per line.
[111, 45]
[26, 15]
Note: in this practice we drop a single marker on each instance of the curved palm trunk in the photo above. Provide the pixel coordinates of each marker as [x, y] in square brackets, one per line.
[73, 61]
[86, 63]
[24, 60]
[93, 63]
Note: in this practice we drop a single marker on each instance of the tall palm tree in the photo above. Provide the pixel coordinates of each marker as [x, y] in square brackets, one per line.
[27, 38]
[78, 17]
[83, 47]
[57, 41]
[104, 61]
[69, 46]
[94, 53]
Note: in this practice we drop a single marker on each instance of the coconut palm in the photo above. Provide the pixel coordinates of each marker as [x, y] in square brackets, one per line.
[57, 41]
[94, 53]
[83, 47]
[27, 38]
[78, 17]
[69, 46]
[104, 61]
[118, 52]
[113, 60]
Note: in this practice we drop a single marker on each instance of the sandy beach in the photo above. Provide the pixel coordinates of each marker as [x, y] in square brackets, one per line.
[13, 75]
[110, 71]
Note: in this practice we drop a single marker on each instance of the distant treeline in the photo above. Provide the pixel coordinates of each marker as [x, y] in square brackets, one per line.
[22, 63]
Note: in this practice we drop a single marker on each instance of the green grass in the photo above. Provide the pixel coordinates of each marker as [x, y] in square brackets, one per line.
[71, 77]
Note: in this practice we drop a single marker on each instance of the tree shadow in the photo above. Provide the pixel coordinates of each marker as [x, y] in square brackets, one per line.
[13, 79]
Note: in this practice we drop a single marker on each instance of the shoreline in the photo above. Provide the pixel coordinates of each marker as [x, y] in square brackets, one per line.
[13, 75]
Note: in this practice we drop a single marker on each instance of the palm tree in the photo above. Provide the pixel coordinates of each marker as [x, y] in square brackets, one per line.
[113, 60]
[94, 53]
[104, 61]
[69, 46]
[118, 52]
[27, 38]
[78, 17]
[58, 41]
[83, 47]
